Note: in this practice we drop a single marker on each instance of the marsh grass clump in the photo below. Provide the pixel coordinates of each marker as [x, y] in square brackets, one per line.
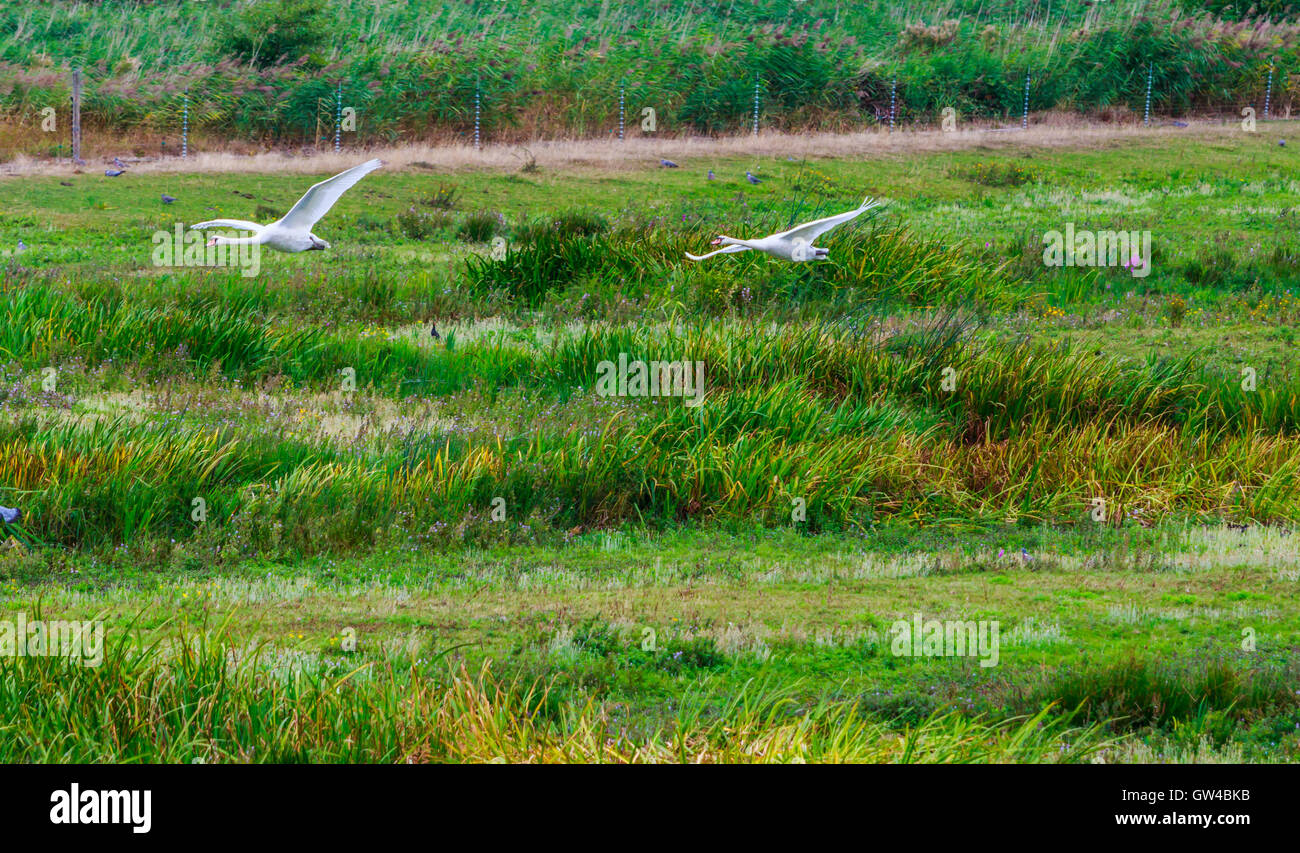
[442, 198]
[920, 36]
[994, 174]
[367, 222]
[673, 655]
[1213, 268]
[420, 224]
[529, 166]
[1138, 692]
[1176, 311]
[816, 182]
[480, 227]
[568, 223]
[551, 261]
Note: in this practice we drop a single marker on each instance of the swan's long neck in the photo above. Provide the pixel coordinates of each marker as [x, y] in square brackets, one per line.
[732, 241]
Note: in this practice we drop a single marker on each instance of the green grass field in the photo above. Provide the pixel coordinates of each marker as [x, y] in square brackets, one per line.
[313, 532]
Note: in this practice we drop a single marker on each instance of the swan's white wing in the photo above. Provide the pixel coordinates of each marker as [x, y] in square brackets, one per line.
[723, 251]
[810, 231]
[320, 198]
[241, 224]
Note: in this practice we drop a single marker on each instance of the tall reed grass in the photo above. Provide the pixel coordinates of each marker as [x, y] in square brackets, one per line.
[201, 697]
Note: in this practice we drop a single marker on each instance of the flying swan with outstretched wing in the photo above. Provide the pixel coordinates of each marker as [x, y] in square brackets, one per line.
[793, 245]
[292, 232]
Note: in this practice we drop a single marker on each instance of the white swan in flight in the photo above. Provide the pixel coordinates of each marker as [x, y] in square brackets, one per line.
[292, 232]
[793, 245]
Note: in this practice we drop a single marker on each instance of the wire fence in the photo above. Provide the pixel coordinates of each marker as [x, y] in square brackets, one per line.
[334, 116]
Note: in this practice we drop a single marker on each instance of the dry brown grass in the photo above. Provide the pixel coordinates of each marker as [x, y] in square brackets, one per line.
[1049, 131]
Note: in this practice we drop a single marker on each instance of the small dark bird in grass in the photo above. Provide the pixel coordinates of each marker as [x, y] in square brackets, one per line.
[1281, 143]
[668, 164]
[65, 183]
[749, 176]
[10, 515]
[710, 176]
[118, 163]
[433, 332]
[166, 199]
[113, 173]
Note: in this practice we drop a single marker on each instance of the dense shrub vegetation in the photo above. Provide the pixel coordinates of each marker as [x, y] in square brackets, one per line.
[271, 70]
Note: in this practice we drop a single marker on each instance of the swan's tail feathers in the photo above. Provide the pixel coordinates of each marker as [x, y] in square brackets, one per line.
[238, 224]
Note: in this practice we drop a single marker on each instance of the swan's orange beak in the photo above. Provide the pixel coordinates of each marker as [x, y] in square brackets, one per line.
[717, 242]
